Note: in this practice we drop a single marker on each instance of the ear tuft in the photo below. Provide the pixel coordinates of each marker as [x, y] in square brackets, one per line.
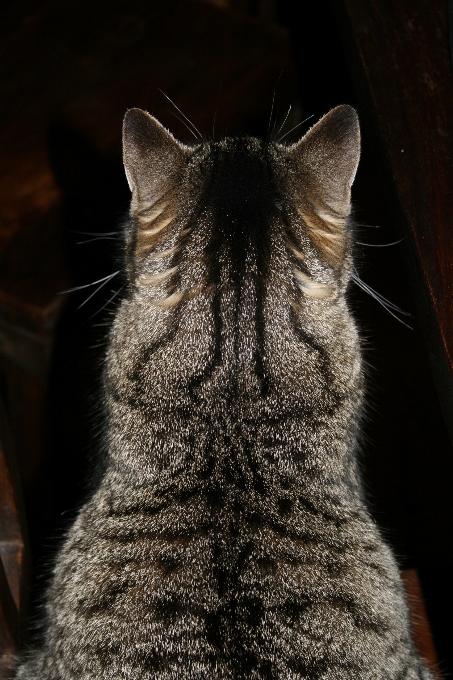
[152, 157]
[323, 167]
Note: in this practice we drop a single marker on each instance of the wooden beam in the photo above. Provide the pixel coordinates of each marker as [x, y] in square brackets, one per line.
[399, 56]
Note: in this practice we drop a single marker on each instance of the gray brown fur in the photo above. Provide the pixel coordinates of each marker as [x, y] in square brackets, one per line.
[229, 538]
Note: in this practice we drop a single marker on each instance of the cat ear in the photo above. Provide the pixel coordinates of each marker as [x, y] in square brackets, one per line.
[324, 163]
[151, 156]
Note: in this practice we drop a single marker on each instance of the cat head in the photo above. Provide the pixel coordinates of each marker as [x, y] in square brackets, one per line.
[254, 192]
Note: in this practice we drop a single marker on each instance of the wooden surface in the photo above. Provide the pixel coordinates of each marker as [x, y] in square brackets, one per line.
[421, 631]
[399, 53]
[12, 549]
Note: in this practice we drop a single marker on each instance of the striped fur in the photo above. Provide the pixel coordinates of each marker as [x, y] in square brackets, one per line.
[229, 538]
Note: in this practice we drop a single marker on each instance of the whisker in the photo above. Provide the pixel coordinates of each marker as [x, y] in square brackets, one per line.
[294, 128]
[200, 136]
[272, 106]
[380, 245]
[270, 117]
[184, 123]
[87, 285]
[286, 118]
[385, 303]
[95, 233]
[96, 291]
[98, 238]
[388, 306]
[376, 296]
[108, 302]
[275, 123]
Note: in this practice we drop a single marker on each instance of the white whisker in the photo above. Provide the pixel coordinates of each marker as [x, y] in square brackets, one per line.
[272, 109]
[98, 238]
[388, 306]
[184, 123]
[95, 233]
[286, 118]
[294, 128]
[96, 291]
[380, 245]
[387, 302]
[87, 285]
[272, 106]
[200, 136]
[108, 302]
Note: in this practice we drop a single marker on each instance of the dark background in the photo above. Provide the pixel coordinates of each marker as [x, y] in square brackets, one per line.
[81, 65]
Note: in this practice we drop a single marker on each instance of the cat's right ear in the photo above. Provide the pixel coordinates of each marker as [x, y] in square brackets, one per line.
[323, 165]
[152, 157]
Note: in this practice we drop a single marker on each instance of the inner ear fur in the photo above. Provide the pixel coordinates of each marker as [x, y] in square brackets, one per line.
[152, 157]
[323, 165]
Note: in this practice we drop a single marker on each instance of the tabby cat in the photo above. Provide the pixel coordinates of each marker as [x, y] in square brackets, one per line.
[229, 538]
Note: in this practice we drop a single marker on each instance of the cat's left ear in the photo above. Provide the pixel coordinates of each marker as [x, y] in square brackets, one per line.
[152, 157]
[323, 166]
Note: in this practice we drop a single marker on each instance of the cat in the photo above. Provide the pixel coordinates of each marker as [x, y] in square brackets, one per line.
[229, 537]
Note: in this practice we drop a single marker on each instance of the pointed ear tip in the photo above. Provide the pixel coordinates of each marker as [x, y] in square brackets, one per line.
[134, 110]
[139, 122]
[347, 116]
[130, 120]
[345, 109]
[133, 116]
